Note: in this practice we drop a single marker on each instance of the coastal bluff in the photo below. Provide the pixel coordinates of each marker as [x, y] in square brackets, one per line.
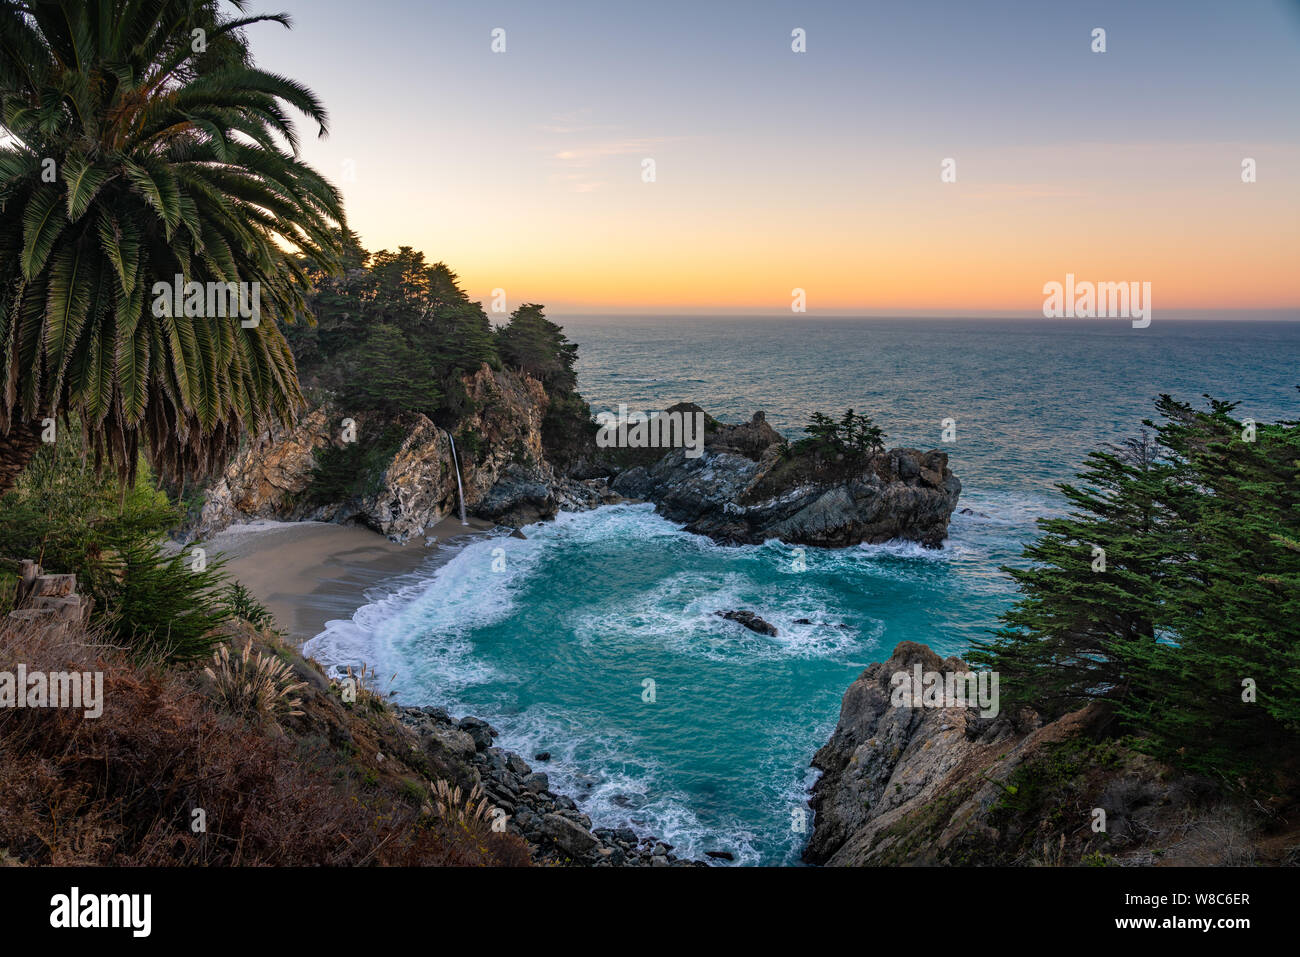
[407, 485]
[743, 488]
[946, 786]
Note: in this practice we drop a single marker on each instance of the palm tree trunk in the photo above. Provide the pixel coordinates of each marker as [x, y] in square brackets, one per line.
[16, 450]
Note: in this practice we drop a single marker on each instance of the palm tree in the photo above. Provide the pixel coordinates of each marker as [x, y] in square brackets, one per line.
[143, 144]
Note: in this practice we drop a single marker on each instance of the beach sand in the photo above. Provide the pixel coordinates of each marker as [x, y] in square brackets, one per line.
[308, 573]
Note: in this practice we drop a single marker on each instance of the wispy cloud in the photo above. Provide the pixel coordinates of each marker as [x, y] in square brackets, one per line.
[588, 156]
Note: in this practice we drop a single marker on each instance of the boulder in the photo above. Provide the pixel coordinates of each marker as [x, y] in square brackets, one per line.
[568, 835]
[750, 621]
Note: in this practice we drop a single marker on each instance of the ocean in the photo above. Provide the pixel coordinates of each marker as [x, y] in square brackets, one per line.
[595, 638]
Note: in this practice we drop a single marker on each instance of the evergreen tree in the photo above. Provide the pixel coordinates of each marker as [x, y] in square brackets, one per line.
[536, 345]
[1230, 613]
[1190, 629]
[1089, 598]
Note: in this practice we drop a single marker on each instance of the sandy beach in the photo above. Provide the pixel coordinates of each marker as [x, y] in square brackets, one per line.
[308, 573]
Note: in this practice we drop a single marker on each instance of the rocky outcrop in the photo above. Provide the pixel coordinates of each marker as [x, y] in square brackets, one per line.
[905, 784]
[264, 480]
[556, 829]
[741, 490]
[750, 621]
[505, 475]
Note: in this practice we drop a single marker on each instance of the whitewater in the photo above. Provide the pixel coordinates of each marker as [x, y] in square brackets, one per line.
[553, 637]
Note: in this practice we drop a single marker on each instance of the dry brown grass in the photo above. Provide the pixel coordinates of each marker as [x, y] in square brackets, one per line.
[124, 788]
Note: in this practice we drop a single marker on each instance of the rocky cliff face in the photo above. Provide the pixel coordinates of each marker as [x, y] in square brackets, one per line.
[741, 491]
[921, 785]
[505, 475]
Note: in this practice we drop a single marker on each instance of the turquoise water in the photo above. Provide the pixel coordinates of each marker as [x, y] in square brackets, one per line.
[553, 637]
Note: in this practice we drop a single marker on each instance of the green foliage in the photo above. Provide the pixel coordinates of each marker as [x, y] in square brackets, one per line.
[853, 437]
[161, 606]
[243, 605]
[8, 591]
[65, 517]
[72, 521]
[355, 468]
[531, 342]
[394, 334]
[167, 161]
[391, 377]
[1198, 600]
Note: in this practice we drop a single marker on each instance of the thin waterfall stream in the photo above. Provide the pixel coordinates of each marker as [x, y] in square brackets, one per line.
[460, 489]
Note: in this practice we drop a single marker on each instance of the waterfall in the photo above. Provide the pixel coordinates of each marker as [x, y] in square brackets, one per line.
[460, 489]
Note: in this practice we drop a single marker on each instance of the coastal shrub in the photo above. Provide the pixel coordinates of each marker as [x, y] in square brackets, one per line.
[341, 472]
[72, 521]
[162, 606]
[245, 606]
[1172, 592]
[569, 431]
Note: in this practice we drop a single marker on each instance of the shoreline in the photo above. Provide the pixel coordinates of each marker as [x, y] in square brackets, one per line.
[310, 573]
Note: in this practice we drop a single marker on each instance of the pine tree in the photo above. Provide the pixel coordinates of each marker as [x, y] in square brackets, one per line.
[1231, 612]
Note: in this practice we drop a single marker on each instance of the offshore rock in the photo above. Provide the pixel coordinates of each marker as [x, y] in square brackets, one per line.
[741, 491]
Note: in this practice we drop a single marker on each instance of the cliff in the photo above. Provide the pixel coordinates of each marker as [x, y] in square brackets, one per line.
[946, 786]
[405, 481]
[398, 477]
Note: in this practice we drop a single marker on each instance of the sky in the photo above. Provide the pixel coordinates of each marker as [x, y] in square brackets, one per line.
[524, 170]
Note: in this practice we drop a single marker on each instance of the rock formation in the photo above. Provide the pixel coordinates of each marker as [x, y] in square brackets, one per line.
[50, 602]
[742, 491]
[556, 830]
[506, 476]
[918, 785]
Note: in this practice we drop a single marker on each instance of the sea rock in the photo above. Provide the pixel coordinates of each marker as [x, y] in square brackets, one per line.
[479, 731]
[741, 491]
[537, 782]
[519, 497]
[750, 621]
[454, 740]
